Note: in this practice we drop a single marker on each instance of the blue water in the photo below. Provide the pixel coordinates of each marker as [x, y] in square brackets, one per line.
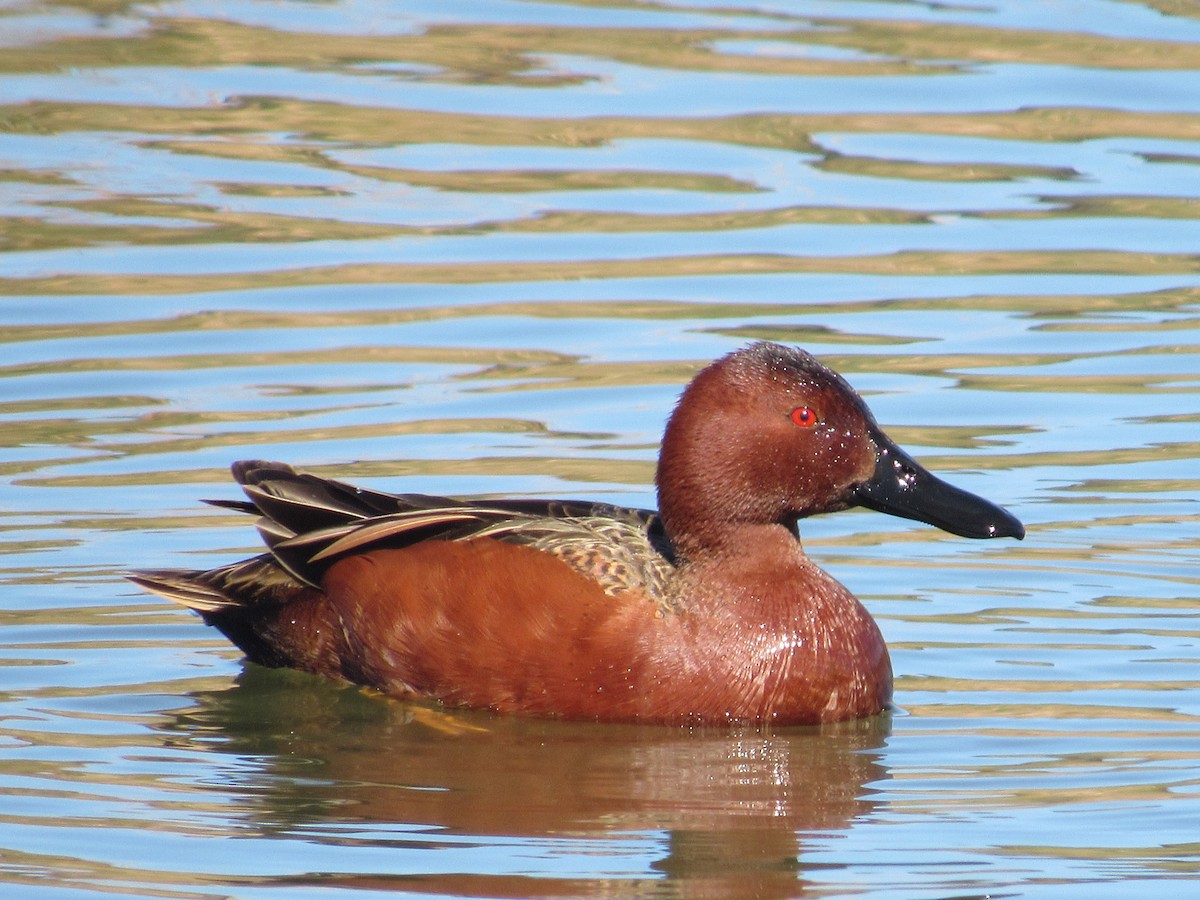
[477, 248]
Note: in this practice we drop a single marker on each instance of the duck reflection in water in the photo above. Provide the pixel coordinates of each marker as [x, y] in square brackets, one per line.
[708, 611]
[701, 812]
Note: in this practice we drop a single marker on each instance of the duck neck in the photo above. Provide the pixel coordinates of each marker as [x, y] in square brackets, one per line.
[735, 542]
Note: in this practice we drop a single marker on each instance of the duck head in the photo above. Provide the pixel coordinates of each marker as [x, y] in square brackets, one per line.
[768, 435]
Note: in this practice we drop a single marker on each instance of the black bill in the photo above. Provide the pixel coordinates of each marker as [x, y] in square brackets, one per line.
[901, 487]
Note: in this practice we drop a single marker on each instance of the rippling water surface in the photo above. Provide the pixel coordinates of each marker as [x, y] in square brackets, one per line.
[477, 248]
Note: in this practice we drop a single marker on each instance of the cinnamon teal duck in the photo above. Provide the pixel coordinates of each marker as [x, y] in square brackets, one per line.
[707, 611]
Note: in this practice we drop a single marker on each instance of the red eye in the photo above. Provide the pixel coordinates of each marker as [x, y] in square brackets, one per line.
[804, 416]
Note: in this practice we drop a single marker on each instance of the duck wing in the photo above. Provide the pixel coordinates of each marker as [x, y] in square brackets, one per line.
[309, 522]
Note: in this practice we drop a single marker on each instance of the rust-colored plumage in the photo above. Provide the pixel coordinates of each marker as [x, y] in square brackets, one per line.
[708, 611]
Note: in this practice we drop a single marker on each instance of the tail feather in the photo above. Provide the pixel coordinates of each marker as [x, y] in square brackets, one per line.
[183, 586]
[256, 582]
